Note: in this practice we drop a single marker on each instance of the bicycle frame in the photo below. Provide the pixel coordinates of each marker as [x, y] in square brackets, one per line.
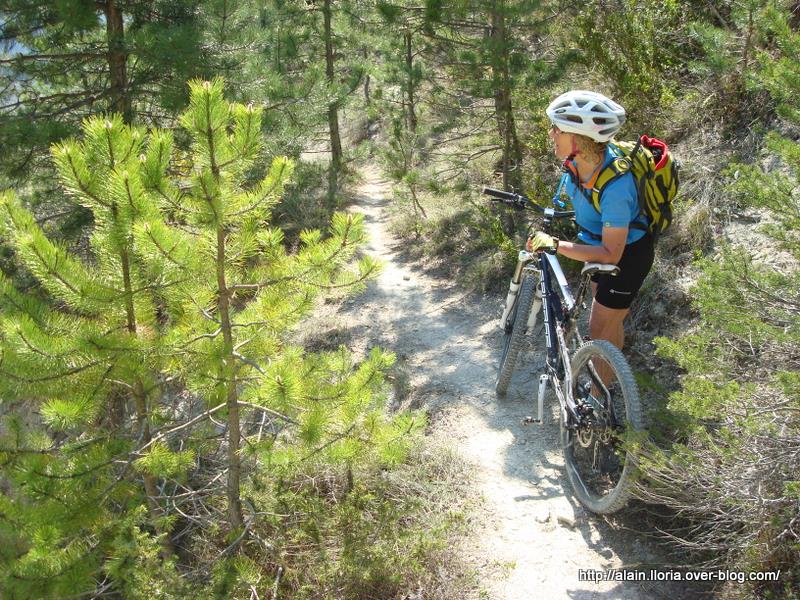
[597, 463]
[560, 310]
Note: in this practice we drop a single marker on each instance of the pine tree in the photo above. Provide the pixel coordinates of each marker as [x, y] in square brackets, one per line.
[399, 37]
[315, 56]
[486, 45]
[64, 61]
[187, 285]
[78, 355]
[229, 323]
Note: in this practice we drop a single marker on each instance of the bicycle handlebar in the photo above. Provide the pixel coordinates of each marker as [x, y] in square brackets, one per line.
[520, 201]
[499, 194]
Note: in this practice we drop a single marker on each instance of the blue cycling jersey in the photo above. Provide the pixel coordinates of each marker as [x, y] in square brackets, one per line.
[619, 206]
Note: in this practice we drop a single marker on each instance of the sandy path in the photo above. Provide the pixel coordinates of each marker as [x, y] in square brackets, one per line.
[533, 539]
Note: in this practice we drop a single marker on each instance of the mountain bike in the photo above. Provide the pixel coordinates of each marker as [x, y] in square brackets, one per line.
[600, 411]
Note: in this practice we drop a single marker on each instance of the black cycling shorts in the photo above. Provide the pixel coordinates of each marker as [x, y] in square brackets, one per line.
[618, 291]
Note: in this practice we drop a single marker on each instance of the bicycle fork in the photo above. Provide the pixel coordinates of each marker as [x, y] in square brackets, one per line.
[523, 260]
[556, 347]
[544, 378]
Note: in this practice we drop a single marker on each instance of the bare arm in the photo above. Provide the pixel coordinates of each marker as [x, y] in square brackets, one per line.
[608, 252]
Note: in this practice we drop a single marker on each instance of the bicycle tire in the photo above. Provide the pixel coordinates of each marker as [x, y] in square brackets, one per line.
[596, 490]
[514, 340]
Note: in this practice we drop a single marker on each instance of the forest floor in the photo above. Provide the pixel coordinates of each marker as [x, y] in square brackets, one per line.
[530, 538]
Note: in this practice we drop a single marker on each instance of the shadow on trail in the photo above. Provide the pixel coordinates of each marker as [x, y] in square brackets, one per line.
[407, 312]
[646, 588]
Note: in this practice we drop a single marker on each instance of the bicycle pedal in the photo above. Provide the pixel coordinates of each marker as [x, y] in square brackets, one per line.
[531, 421]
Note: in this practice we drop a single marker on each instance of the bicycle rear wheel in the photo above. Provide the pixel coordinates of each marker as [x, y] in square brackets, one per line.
[515, 328]
[597, 453]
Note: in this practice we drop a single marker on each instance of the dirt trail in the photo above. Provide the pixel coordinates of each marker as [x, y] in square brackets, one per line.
[532, 537]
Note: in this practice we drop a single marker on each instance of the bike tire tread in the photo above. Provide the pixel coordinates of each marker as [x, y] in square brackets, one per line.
[525, 298]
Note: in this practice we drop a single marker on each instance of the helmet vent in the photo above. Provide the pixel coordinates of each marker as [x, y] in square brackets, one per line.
[587, 113]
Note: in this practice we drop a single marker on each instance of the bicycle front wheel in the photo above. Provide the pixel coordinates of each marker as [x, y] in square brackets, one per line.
[598, 457]
[515, 328]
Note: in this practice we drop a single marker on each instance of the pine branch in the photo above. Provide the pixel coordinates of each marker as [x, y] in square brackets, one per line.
[86, 96]
[209, 336]
[329, 443]
[209, 198]
[264, 196]
[46, 57]
[77, 474]
[53, 377]
[165, 253]
[189, 423]
[36, 350]
[205, 313]
[68, 567]
[249, 362]
[348, 284]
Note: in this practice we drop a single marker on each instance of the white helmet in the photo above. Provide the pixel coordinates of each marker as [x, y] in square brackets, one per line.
[587, 113]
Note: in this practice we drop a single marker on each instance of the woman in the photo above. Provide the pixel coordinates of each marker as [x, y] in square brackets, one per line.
[582, 125]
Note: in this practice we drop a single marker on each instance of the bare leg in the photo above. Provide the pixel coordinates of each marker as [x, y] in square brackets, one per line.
[607, 324]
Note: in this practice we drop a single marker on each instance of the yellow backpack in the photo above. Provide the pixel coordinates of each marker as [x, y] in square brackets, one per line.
[656, 175]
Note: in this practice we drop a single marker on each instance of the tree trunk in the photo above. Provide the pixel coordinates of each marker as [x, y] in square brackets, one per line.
[235, 519]
[278, 63]
[367, 99]
[333, 106]
[748, 42]
[117, 61]
[504, 113]
[512, 149]
[143, 413]
[150, 482]
[415, 200]
[412, 113]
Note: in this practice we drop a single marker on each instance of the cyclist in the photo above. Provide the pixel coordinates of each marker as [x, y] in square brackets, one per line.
[582, 124]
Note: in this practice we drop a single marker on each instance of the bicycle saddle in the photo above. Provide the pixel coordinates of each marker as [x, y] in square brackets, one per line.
[592, 268]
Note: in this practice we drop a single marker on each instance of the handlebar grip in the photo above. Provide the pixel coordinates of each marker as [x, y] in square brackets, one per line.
[499, 194]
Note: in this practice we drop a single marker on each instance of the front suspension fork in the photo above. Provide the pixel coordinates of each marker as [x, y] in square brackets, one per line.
[523, 260]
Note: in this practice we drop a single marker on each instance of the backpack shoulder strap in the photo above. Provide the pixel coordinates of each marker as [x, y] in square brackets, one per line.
[617, 168]
[623, 163]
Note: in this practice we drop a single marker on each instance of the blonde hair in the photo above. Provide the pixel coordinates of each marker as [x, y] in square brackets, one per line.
[589, 148]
